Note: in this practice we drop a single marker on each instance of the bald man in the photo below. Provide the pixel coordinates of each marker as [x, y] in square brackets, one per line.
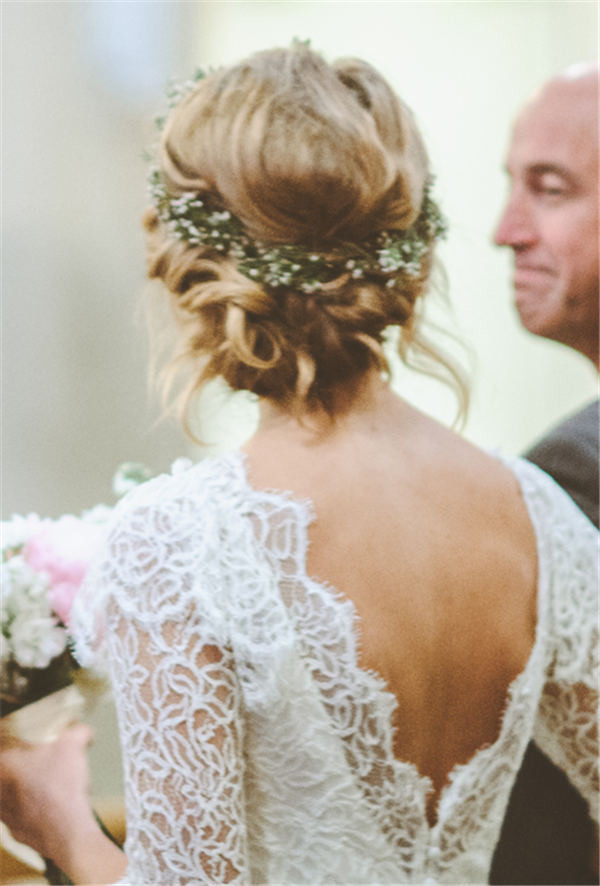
[551, 222]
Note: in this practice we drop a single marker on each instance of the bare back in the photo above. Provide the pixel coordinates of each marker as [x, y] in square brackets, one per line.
[430, 539]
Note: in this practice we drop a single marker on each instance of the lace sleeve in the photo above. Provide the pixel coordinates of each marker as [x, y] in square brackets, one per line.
[567, 722]
[176, 693]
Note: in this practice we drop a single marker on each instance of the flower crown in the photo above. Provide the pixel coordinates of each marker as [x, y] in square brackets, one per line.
[191, 218]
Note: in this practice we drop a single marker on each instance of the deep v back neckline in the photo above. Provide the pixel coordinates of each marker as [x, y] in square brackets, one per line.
[449, 794]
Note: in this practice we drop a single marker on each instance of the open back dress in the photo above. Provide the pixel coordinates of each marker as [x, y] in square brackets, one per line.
[256, 749]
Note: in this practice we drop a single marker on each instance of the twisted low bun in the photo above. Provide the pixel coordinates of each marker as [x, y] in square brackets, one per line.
[300, 152]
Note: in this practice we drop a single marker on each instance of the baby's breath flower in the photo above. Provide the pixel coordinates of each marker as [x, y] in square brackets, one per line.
[293, 265]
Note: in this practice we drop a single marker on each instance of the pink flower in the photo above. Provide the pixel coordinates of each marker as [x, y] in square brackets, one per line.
[63, 549]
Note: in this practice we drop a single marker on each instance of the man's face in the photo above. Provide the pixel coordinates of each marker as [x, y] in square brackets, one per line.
[551, 218]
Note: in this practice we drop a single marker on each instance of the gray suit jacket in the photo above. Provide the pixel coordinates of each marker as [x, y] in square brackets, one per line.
[569, 453]
[547, 836]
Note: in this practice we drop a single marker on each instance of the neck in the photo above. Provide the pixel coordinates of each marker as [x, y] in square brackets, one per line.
[354, 408]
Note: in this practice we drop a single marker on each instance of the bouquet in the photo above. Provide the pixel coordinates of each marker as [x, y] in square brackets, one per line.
[43, 564]
[42, 687]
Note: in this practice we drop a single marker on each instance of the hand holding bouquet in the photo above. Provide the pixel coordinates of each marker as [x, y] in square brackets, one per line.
[44, 562]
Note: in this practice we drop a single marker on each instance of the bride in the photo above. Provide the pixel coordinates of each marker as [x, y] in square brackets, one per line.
[329, 649]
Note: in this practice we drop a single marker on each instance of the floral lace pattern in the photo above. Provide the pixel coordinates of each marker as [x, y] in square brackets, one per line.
[256, 750]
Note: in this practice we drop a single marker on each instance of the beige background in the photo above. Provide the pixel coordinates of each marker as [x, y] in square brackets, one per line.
[81, 83]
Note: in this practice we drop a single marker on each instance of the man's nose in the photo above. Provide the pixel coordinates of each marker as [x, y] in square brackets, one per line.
[516, 225]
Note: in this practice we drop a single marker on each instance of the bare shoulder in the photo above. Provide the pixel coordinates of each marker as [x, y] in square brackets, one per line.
[459, 467]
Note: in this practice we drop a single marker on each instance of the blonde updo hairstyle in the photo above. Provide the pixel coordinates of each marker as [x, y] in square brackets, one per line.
[301, 152]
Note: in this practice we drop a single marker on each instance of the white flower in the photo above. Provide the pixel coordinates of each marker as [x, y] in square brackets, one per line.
[36, 640]
[22, 587]
[16, 531]
[5, 598]
[30, 631]
[128, 476]
[180, 465]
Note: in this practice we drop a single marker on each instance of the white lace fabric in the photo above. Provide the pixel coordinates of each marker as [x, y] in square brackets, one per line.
[256, 750]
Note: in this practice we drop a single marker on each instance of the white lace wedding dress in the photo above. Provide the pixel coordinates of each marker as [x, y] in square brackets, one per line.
[255, 749]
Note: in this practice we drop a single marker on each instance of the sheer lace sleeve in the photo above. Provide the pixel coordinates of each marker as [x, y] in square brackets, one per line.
[567, 723]
[150, 606]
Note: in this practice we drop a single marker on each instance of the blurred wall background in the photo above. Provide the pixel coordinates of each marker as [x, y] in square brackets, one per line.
[81, 84]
